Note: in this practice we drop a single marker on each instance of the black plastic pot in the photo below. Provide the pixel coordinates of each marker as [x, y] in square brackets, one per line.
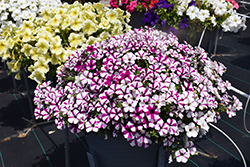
[117, 152]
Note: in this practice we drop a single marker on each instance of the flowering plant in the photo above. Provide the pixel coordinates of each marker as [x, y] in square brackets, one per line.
[145, 85]
[44, 43]
[133, 5]
[14, 12]
[195, 15]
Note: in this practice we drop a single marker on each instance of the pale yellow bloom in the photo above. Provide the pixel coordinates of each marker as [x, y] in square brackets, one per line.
[26, 35]
[43, 34]
[57, 39]
[88, 7]
[37, 76]
[27, 25]
[74, 40]
[74, 12]
[62, 57]
[91, 40]
[104, 35]
[5, 56]
[56, 47]
[104, 23]
[54, 60]
[112, 16]
[60, 11]
[3, 46]
[13, 65]
[46, 13]
[99, 8]
[89, 27]
[26, 49]
[42, 46]
[76, 23]
[18, 76]
[117, 30]
[55, 21]
[34, 54]
[42, 65]
[66, 22]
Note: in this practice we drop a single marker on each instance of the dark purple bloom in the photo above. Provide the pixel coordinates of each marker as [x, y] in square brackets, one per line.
[192, 3]
[183, 24]
[163, 23]
[173, 30]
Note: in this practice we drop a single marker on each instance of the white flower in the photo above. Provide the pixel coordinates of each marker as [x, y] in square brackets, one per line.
[3, 6]
[192, 130]
[221, 9]
[33, 7]
[213, 20]
[23, 4]
[180, 10]
[203, 15]
[203, 124]
[193, 12]
[4, 16]
[16, 15]
[182, 155]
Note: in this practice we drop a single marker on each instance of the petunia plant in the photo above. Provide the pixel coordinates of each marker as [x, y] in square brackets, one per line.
[195, 15]
[143, 85]
[14, 12]
[42, 44]
[133, 5]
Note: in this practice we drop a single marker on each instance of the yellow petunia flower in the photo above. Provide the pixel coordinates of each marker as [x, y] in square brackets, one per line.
[27, 25]
[42, 46]
[104, 23]
[104, 35]
[26, 35]
[18, 75]
[74, 40]
[42, 65]
[89, 27]
[26, 49]
[56, 47]
[46, 13]
[74, 12]
[76, 23]
[3, 46]
[55, 21]
[66, 22]
[34, 54]
[91, 40]
[37, 76]
[5, 56]
[13, 66]
[112, 16]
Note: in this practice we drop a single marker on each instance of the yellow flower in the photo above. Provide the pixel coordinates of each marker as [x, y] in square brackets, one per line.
[42, 45]
[26, 49]
[42, 65]
[66, 22]
[57, 39]
[127, 16]
[13, 66]
[62, 57]
[46, 13]
[88, 7]
[104, 35]
[26, 35]
[56, 47]
[54, 60]
[27, 25]
[5, 56]
[74, 40]
[91, 40]
[43, 34]
[3, 46]
[119, 12]
[34, 53]
[104, 23]
[99, 7]
[117, 30]
[112, 16]
[60, 11]
[76, 23]
[37, 76]
[18, 76]
[74, 12]
[55, 21]
[89, 27]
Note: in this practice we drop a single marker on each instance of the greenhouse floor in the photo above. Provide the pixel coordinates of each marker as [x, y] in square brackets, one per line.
[43, 145]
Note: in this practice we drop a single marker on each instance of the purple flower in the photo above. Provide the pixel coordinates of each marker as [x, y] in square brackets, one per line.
[172, 30]
[183, 24]
[192, 3]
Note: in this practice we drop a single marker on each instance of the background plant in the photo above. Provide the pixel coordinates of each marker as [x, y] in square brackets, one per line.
[194, 15]
[144, 85]
[14, 12]
[42, 44]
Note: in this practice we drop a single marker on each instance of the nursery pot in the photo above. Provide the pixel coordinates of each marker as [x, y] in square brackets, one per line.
[136, 20]
[193, 37]
[117, 152]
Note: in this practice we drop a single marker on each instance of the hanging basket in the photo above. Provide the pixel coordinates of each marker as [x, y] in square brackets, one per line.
[117, 152]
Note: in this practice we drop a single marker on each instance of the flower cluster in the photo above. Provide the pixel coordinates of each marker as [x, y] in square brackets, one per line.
[195, 15]
[133, 5]
[43, 44]
[145, 85]
[14, 12]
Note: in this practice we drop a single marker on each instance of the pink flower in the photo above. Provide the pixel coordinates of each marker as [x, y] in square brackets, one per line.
[131, 6]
